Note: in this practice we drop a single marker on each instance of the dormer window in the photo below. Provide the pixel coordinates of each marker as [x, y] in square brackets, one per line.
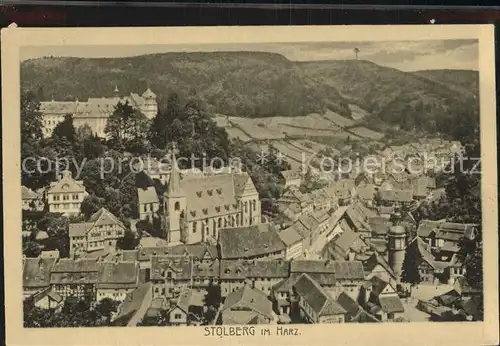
[193, 212]
[210, 192]
[217, 209]
[219, 191]
[198, 193]
[226, 207]
[205, 211]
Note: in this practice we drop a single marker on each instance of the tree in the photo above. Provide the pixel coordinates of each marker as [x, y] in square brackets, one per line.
[31, 118]
[92, 147]
[213, 298]
[57, 228]
[125, 124]
[31, 248]
[90, 205]
[65, 129]
[84, 131]
[128, 242]
[410, 273]
[159, 131]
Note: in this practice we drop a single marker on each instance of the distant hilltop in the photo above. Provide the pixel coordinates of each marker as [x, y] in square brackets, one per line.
[257, 84]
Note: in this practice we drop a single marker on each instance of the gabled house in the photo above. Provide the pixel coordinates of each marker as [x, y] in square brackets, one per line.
[185, 310]
[148, 203]
[76, 278]
[117, 279]
[100, 233]
[345, 246]
[31, 200]
[376, 265]
[247, 306]
[315, 304]
[291, 178]
[36, 275]
[384, 302]
[260, 242]
[66, 195]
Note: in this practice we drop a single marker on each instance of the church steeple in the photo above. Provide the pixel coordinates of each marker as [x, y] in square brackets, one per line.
[174, 184]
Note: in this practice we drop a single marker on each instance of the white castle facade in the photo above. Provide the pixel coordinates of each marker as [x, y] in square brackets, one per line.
[95, 111]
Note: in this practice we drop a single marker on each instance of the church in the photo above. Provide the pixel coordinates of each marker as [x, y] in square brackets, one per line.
[95, 111]
[198, 206]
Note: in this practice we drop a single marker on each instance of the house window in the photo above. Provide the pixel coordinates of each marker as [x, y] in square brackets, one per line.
[75, 197]
[151, 207]
[253, 205]
[177, 206]
[65, 197]
[169, 275]
[246, 206]
[177, 316]
[194, 226]
[219, 223]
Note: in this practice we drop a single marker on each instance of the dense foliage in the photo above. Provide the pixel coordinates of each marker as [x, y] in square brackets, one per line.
[74, 313]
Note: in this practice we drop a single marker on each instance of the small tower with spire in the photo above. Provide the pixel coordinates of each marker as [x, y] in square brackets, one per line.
[175, 202]
[150, 106]
[116, 92]
[397, 247]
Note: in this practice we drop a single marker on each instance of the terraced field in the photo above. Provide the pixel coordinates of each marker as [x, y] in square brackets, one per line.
[338, 120]
[357, 113]
[367, 133]
[254, 129]
[234, 132]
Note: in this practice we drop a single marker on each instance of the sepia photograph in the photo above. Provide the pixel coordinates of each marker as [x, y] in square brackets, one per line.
[252, 187]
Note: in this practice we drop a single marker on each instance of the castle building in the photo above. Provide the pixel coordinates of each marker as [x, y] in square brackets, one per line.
[95, 111]
[197, 207]
[66, 195]
[397, 245]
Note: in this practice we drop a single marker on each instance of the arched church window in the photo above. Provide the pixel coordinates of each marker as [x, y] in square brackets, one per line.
[177, 206]
[194, 226]
[254, 203]
[246, 206]
[219, 223]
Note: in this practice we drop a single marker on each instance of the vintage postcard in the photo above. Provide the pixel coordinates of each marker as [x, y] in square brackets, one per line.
[267, 185]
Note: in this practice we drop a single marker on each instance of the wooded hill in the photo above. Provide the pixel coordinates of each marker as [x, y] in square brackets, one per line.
[258, 84]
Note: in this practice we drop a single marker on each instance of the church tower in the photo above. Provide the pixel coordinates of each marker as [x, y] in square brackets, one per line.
[175, 203]
[397, 247]
[150, 107]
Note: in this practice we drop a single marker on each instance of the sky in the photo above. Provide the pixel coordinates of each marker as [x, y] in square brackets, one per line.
[403, 55]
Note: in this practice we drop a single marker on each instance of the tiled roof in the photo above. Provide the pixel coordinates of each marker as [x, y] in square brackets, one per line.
[68, 271]
[195, 250]
[133, 301]
[312, 266]
[348, 270]
[349, 305]
[210, 196]
[241, 269]
[309, 222]
[36, 272]
[289, 236]
[367, 192]
[102, 217]
[378, 285]
[28, 194]
[184, 299]
[391, 304]
[181, 266]
[374, 260]
[66, 184]
[316, 297]
[245, 242]
[250, 298]
[147, 195]
[396, 195]
[119, 275]
[380, 225]
[345, 240]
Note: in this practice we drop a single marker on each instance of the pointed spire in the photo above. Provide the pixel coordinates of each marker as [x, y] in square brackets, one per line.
[174, 184]
[116, 91]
